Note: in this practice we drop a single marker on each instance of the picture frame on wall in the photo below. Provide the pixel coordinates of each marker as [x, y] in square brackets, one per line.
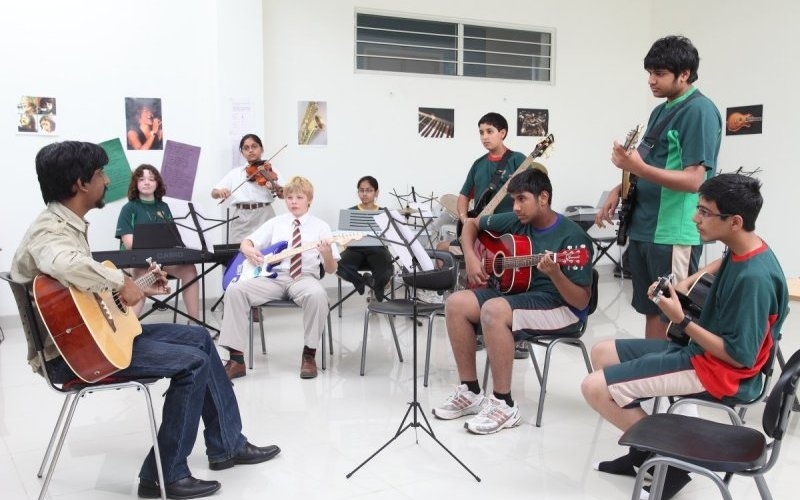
[36, 115]
[144, 123]
[532, 122]
[744, 120]
[436, 123]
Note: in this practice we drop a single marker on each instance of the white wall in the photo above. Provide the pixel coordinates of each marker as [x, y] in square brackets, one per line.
[196, 55]
[200, 55]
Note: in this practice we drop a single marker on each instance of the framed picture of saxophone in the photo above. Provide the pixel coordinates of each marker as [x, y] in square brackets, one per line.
[312, 126]
[743, 120]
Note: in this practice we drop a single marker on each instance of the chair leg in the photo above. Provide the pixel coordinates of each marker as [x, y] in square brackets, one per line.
[250, 350]
[486, 375]
[364, 342]
[62, 437]
[396, 342]
[154, 434]
[543, 388]
[56, 430]
[330, 334]
[428, 350]
[339, 295]
[323, 340]
[261, 329]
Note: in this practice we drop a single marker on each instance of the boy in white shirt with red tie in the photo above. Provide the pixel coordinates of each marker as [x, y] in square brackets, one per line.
[296, 278]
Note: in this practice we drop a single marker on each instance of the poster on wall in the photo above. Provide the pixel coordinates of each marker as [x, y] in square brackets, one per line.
[179, 169]
[144, 123]
[743, 120]
[312, 126]
[437, 123]
[36, 115]
[118, 170]
[532, 122]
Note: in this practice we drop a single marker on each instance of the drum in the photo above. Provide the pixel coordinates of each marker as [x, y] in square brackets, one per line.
[449, 203]
[446, 222]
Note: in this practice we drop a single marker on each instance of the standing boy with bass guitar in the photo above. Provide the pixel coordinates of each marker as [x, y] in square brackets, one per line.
[556, 301]
[72, 182]
[679, 152]
[729, 342]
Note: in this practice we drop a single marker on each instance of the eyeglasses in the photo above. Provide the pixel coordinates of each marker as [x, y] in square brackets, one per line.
[250, 148]
[705, 213]
[366, 191]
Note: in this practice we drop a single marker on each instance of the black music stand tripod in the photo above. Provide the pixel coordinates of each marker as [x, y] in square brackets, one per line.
[414, 410]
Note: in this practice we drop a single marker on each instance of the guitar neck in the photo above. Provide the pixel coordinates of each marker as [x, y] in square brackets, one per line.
[525, 260]
[540, 149]
[289, 252]
[339, 240]
[501, 193]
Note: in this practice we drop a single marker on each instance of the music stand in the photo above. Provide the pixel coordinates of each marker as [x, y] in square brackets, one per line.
[195, 227]
[399, 236]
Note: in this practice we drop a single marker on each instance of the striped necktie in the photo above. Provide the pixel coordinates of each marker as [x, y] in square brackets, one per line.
[296, 264]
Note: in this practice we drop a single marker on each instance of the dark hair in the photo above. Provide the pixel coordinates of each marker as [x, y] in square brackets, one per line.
[371, 180]
[735, 194]
[133, 188]
[673, 53]
[496, 120]
[250, 136]
[533, 181]
[61, 164]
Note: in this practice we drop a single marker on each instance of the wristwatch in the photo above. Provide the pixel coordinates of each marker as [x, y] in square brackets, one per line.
[685, 322]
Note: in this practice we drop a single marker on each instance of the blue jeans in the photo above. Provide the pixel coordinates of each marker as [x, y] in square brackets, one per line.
[198, 388]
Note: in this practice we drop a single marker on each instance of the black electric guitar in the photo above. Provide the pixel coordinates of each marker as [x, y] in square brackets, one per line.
[692, 302]
[489, 199]
[628, 194]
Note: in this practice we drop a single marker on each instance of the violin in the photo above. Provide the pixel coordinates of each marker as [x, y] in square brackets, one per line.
[264, 176]
[258, 173]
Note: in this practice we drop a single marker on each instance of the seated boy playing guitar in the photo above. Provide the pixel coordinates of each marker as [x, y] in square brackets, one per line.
[556, 301]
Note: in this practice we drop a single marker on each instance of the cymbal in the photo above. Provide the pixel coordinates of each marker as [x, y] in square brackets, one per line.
[407, 211]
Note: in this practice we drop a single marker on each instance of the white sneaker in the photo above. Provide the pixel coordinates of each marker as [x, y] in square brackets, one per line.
[461, 402]
[494, 416]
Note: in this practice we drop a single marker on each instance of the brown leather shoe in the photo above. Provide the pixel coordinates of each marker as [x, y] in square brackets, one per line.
[308, 368]
[234, 369]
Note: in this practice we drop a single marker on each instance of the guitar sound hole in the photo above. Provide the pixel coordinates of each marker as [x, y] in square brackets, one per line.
[498, 264]
[118, 302]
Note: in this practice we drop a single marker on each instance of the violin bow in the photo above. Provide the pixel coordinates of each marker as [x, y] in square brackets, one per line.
[254, 173]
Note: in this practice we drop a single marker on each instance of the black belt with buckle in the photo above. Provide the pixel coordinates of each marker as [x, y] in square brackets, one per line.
[251, 206]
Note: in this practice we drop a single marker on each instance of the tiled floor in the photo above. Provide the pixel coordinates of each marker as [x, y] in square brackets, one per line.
[327, 426]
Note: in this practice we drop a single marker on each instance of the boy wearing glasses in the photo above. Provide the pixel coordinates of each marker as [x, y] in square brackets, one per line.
[728, 344]
[678, 153]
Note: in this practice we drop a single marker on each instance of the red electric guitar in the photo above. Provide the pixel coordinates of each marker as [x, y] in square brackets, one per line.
[507, 258]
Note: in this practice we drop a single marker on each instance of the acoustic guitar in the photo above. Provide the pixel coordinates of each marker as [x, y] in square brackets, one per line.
[94, 332]
[489, 199]
[691, 302]
[509, 261]
[628, 194]
[240, 269]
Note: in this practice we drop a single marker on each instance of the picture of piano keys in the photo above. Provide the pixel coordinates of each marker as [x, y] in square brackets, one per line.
[436, 123]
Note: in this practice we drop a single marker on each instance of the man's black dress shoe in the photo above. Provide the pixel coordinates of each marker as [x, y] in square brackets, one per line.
[251, 454]
[188, 487]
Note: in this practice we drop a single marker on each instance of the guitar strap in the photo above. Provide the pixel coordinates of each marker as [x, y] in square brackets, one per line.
[495, 180]
[646, 145]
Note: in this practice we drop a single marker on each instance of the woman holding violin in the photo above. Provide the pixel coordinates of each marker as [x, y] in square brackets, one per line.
[250, 190]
